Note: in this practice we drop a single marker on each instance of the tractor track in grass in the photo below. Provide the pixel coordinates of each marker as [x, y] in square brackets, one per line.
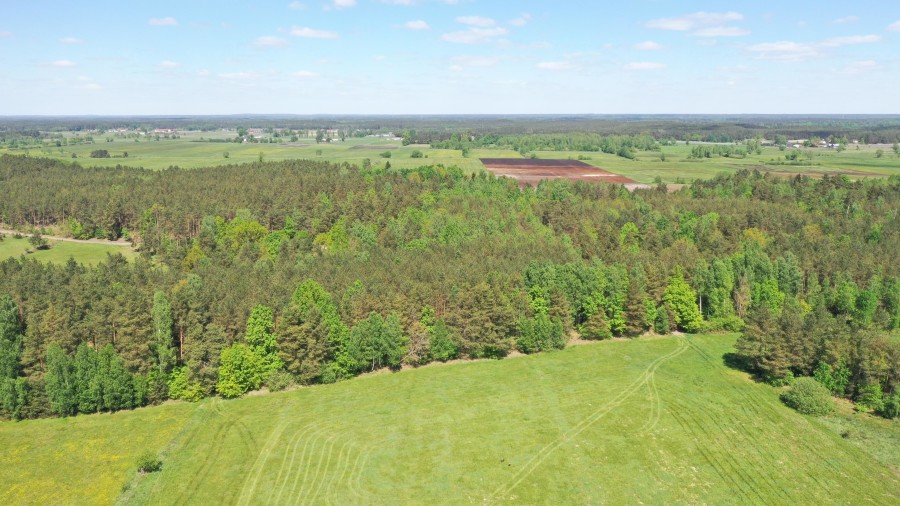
[536, 460]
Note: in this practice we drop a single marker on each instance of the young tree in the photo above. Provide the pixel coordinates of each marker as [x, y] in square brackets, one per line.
[261, 338]
[59, 382]
[164, 351]
[683, 301]
[240, 370]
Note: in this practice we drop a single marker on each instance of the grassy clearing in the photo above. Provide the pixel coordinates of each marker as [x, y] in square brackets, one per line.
[81, 460]
[653, 420]
[188, 152]
[61, 251]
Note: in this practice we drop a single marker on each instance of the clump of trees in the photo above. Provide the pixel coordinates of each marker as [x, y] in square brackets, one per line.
[356, 269]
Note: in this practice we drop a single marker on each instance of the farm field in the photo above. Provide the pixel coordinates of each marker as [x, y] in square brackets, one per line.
[189, 152]
[653, 420]
[61, 251]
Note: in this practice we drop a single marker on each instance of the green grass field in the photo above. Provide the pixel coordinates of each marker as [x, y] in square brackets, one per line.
[647, 421]
[187, 152]
[61, 251]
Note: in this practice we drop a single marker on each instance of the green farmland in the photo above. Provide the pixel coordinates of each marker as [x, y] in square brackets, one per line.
[657, 420]
[60, 251]
[190, 152]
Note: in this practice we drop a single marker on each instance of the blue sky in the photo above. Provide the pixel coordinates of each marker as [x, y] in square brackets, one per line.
[449, 56]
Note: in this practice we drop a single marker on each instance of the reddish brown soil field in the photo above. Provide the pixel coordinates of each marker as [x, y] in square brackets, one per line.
[530, 171]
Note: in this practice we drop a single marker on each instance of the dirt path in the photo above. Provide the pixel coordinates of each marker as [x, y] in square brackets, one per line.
[69, 239]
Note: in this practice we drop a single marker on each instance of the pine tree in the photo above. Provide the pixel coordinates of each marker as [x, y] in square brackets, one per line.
[596, 327]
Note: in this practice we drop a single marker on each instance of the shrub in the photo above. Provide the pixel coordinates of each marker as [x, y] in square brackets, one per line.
[891, 407]
[386, 154]
[416, 154]
[279, 380]
[809, 397]
[870, 398]
[148, 463]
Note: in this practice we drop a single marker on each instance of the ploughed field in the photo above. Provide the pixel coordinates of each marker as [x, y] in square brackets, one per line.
[529, 172]
[656, 420]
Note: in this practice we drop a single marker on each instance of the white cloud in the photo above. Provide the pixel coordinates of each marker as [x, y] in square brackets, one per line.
[645, 65]
[721, 31]
[417, 24]
[309, 33]
[479, 21]
[167, 64]
[556, 65]
[167, 21]
[297, 6]
[522, 20]
[846, 20]
[850, 40]
[70, 40]
[785, 50]
[202, 73]
[474, 35]
[344, 4]
[789, 51]
[694, 21]
[893, 27]
[475, 61]
[4, 35]
[304, 74]
[269, 41]
[402, 2]
[649, 45]
[63, 64]
[860, 67]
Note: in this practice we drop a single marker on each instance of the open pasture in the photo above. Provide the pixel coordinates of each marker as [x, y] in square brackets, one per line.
[60, 251]
[655, 420]
[671, 164]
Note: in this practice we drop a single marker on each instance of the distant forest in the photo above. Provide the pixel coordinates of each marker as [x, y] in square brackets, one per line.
[308, 272]
[867, 129]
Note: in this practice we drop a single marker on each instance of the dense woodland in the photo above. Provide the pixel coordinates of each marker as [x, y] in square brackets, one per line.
[868, 129]
[308, 272]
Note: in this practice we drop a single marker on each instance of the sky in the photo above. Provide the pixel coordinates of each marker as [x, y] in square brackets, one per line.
[449, 57]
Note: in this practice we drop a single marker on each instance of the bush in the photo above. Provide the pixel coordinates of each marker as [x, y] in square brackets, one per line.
[148, 463]
[891, 407]
[386, 154]
[279, 380]
[416, 154]
[809, 397]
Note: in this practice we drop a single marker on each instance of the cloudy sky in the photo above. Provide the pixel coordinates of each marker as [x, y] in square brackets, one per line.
[449, 56]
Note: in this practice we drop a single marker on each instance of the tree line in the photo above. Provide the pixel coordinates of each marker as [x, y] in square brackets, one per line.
[326, 271]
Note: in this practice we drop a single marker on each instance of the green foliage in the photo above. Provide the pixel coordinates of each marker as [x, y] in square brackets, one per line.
[60, 382]
[261, 338]
[163, 348]
[835, 380]
[240, 370]
[279, 380]
[891, 407]
[441, 345]
[148, 462]
[540, 333]
[38, 241]
[596, 327]
[809, 397]
[870, 398]
[683, 301]
[376, 342]
[662, 322]
[181, 388]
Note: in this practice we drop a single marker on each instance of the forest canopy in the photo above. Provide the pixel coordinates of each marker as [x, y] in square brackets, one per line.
[316, 272]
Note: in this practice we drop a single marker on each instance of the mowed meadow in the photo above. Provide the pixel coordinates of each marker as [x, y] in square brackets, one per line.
[60, 252]
[652, 420]
[672, 163]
